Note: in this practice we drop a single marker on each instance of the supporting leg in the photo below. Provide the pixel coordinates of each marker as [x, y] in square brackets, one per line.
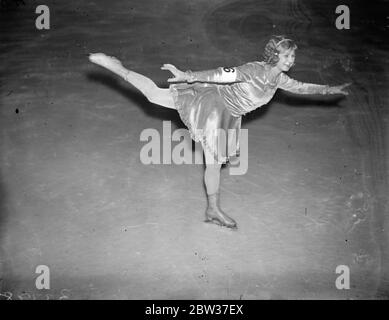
[145, 85]
[214, 213]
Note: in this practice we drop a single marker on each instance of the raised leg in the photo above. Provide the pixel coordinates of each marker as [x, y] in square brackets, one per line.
[152, 92]
[214, 213]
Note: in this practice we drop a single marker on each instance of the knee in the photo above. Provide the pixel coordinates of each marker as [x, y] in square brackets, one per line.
[161, 97]
[151, 96]
[152, 93]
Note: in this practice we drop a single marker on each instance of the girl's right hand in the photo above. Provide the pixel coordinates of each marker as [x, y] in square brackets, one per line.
[340, 89]
[178, 75]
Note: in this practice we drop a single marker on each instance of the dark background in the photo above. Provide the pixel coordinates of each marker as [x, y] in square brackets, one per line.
[75, 196]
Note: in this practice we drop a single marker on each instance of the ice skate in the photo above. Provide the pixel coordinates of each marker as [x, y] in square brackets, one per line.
[215, 215]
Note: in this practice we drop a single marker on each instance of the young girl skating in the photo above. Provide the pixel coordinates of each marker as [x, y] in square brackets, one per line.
[213, 101]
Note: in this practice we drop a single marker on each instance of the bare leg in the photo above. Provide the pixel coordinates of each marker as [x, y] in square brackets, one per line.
[212, 182]
[211, 174]
[145, 85]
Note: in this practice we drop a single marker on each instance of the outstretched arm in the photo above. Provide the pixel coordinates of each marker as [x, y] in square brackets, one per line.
[219, 75]
[291, 85]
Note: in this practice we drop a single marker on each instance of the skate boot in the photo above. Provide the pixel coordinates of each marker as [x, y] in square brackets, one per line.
[215, 215]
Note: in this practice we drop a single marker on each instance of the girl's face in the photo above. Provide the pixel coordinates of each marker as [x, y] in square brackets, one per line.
[286, 59]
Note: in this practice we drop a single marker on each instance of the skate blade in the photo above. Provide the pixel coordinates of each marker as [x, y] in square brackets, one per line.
[217, 222]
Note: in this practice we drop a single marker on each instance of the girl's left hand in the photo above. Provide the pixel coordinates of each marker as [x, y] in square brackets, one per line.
[340, 89]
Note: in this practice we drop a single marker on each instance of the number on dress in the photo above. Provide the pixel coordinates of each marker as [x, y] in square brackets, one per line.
[227, 69]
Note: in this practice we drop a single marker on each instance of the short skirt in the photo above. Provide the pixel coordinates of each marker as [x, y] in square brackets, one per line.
[203, 111]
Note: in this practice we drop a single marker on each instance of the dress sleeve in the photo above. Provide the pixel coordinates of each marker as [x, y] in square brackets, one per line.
[292, 85]
[223, 74]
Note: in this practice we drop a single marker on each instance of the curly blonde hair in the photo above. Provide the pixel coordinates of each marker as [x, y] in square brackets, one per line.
[274, 47]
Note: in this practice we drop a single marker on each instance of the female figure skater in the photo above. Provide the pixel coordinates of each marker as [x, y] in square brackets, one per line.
[214, 100]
